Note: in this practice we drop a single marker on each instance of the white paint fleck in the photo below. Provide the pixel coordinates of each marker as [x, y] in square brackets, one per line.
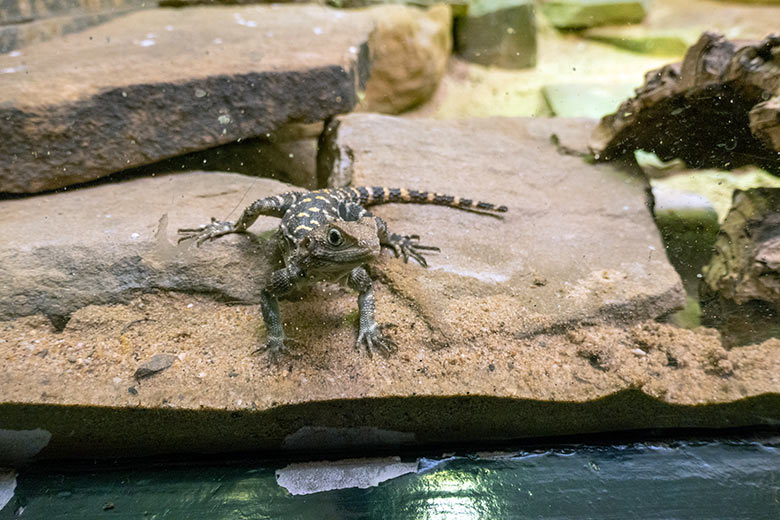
[7, 486]
[353, 50]
[135, 236]
[117, 380]
[251, 23]
[224, 119]
[146, 43]
[15, 54]
[189, 306]
[11, 70]
[317, 30]
[313, 477]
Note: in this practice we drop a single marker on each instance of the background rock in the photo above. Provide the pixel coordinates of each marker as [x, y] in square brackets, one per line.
[106, 243]
[585, 99]
[583, 244]
[161, 83]
[409, 53]
[502, 34]
[23, 22]
[288, 155]
[576, 14]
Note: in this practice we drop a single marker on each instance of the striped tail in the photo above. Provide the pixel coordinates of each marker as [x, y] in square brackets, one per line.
[373, 195]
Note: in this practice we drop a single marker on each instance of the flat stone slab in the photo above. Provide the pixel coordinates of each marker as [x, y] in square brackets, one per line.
[577, 244]
[164, 82]
[106, 243]
[542, 330]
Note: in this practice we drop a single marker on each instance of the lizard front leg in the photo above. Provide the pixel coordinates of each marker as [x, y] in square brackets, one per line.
[271, 206]
[369, 334]
[282, 281]
[403, 246]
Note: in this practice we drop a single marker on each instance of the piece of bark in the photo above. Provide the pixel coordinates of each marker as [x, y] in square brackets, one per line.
[699, 110]
[741, 285]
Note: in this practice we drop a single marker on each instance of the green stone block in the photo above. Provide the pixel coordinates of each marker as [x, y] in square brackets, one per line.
[500, 33]
[586, 99]
[578, 14]
[655, 42]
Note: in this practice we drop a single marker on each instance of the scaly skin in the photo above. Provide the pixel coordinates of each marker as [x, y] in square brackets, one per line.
[329, 235]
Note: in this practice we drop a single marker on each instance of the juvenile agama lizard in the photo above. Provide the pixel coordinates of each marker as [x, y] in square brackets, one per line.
[328, 235]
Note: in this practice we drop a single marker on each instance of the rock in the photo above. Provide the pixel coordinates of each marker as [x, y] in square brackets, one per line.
[160, 83]
[579, 380]
[288, 155]
[746, 263]
[18, 35]
[644, 40]
[592, 100]
[576, 14]
[502, 34]
[681, 109]
[557, 203]
[157, 363]
[106, 243]
[716, 187]
[458, 7]
[409, 53]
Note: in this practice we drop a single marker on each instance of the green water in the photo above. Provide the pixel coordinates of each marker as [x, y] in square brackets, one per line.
[685, 480]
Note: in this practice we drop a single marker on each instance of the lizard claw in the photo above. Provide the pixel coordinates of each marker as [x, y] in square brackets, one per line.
[408, 247]
[276, 348]
[374, 340]
[214, 229]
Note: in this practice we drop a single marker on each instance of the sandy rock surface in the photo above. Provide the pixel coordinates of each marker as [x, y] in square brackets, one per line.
[508, 334]
[578, 242]
[164, 82]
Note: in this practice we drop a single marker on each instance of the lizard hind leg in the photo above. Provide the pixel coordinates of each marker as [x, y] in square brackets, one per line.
[370, 333]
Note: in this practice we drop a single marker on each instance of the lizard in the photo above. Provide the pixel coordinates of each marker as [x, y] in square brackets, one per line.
[329, 235]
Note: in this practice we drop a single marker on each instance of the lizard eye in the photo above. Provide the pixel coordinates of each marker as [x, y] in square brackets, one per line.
[334, 237]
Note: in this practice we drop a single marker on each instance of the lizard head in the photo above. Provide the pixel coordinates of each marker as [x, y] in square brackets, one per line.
[342, 244]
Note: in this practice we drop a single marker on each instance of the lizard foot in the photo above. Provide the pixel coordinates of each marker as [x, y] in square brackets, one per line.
[277, 347]
[216, 228]
[375, 341]
[408, 247]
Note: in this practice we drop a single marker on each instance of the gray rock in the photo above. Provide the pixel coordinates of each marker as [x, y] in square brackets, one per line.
[502, 34]
[106, 243]
[164, 82]
[157, 363]
[577, 244]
